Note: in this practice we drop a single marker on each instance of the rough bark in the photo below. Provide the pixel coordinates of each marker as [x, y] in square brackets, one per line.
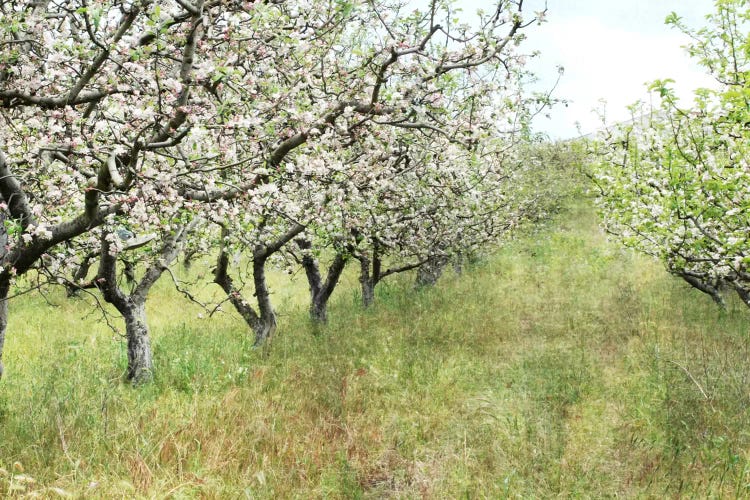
[133, 310]
[712, 291]
[262, 322]
[319, 300]
[371, 273]
[133, 307]
[320, 291]
[429, 273]
[741, 291]
[225, 281]
[265, 327]
[140, 361]
[4, 289]
[140, 358]
[367, 282]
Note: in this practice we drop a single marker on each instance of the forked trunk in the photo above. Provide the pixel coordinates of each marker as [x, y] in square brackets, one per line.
[132, 307]
[140, 360]
[321, 291]
[262, 323]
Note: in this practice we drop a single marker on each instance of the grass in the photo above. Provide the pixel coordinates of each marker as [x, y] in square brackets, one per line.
[563, 366]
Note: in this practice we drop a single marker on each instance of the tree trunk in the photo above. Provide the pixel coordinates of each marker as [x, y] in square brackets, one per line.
[133, 307]
[74, 286]
[367, 282]
[265, 326]
[320, 291]
[4, 289]
[187, 258]
[429, 273]
[741, 291]
[262, 324]
[319, 309]
[140, 360]
[458, 265]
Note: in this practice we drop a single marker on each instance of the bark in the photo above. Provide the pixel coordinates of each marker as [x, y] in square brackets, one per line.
[741, 291]
[140, 359]
[262, 322]
[133, 310]
[458, 266]
[129, 272]
[225, 281]
[367, 282]
[133, 307]
[4, 289]
[265, 327]
[429, 273]
[319, 303]
[79, 276]
[712, 291]
[371, 273]
[320, 291]
[187, 258]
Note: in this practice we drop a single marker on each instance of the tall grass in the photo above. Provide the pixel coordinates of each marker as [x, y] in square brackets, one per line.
[563, 366]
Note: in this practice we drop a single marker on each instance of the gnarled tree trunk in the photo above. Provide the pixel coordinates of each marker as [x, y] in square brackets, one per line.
[140, 359]
[133, 307]
[262, 322]
[367, 282]
[265, 325]
[133, 310]
[371, 273]
[429, 273]
[320, 291]
[744, 294]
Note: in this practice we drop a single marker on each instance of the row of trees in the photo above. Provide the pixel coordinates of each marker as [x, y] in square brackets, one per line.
[291, 131]
[675, 181]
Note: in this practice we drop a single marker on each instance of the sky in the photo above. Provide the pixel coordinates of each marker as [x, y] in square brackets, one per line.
[609, 49]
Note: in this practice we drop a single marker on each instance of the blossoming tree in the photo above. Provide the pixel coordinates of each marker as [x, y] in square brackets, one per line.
[382, 77]
[132, 112]
[674, 181]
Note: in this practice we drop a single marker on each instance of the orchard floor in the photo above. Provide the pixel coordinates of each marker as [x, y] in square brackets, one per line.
[564, 366]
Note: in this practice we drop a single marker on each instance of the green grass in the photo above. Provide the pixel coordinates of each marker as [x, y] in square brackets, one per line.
[563, 366]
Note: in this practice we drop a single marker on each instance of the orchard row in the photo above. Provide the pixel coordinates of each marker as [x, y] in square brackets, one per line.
[293, 133]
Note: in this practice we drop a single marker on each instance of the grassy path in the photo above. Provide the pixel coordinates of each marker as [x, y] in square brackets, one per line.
[562, 367]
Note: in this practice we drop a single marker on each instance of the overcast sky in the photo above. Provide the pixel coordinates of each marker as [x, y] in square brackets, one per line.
[609, 49]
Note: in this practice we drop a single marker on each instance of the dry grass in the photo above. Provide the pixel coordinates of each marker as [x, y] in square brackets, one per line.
[562, 367]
